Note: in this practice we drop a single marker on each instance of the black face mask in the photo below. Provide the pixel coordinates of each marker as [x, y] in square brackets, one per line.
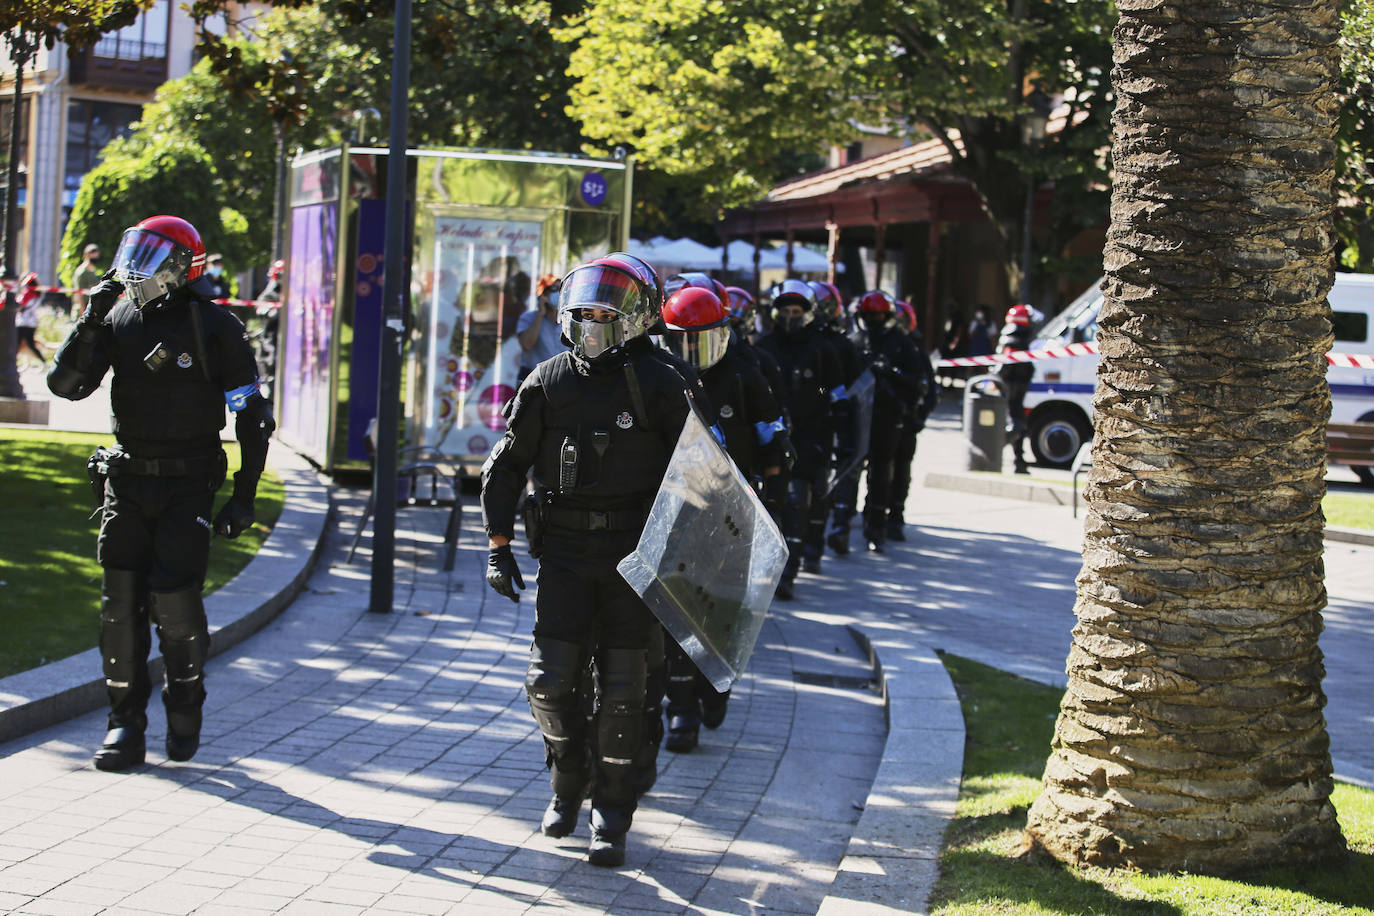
[875, 322]
[790, 324]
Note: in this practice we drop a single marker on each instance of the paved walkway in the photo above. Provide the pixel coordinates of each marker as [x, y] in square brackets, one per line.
[360, 763]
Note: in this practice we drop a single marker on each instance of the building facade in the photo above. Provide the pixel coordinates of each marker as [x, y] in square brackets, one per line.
[74, 104]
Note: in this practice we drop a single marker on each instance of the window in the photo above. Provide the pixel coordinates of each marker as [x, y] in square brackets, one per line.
[6, 107]
[91, 125]
[145, 37]
[1351, 326]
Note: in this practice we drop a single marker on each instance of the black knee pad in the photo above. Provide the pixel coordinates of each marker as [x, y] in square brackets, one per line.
[620, 721]
[551, 684]
[185, 640]
[125, 643]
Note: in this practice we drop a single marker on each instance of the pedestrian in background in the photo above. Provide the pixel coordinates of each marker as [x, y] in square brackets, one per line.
[537, 330]
[217, 282]
[1016, 335]
[85, 278]
[26, 321]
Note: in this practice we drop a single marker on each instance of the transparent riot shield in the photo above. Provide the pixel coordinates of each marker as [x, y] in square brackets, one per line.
[709, 558]
[861, 397]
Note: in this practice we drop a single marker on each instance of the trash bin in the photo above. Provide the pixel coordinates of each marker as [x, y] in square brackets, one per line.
[985, 422]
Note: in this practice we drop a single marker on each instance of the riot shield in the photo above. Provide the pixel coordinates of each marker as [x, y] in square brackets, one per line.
[861, 397]
[709, 558]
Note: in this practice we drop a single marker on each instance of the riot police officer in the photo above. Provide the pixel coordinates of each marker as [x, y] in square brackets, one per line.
[697, 330]
[1016, 335]
[912, 423]
[810, 374]
[177, 359]
[898, 382]
[597, 424]
[830, 320]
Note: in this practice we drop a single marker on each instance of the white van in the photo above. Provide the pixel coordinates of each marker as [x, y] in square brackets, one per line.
[1061, 392]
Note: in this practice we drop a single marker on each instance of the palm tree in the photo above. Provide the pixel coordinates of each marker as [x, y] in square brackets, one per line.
[1191, 735]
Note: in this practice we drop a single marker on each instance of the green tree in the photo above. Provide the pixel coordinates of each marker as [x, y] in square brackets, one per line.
[27, 26]
[713, 90]
[1191, 735]
[1355, 138]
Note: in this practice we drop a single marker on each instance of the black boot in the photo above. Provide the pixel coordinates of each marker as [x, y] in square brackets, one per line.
[713, 707]
[185, 641]
[784, 591]
[839, 542]
[607, 848]
[561, 817]
[895, 530]
[183, 734]
[123, 748]
[682, 734]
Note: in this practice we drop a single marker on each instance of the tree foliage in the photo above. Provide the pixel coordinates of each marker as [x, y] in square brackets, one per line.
[1355, 138]
[712, 89]
[77, 23]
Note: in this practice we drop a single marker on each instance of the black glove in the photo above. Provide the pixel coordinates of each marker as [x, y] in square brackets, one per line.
[102, 297]
[502, 570]
[234, 518]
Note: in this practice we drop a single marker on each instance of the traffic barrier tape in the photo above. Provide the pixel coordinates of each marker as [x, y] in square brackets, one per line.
[255, 303]
[1345, 360]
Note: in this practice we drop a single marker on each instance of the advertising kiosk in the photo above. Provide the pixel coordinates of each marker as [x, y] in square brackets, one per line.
[483, 227]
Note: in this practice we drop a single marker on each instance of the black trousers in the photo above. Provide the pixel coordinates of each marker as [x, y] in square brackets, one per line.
[586, 610]
[154, 546]
[901, 472]
[882, 454]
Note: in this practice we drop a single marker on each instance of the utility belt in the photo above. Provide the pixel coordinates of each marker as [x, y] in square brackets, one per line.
[113, 462]
[593, 520]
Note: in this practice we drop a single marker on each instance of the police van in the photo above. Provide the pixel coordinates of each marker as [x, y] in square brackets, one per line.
[1060, 398]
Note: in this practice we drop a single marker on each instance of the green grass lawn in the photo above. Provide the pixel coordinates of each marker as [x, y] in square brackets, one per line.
[1347, 509]
[49, 579]
[1010, 723]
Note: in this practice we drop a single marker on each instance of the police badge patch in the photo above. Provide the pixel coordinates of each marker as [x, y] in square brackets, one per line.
[624, 421]
[727, 411]
[184, 360]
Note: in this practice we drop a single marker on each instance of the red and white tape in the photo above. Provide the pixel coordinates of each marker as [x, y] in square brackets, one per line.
[1345, 360]
[254, 303]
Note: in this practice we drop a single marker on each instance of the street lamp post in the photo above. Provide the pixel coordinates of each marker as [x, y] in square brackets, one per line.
[1033, 125]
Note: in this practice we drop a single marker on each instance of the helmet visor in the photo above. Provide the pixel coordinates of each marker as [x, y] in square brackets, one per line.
[599, 309]
[150, 265]
[700, 349]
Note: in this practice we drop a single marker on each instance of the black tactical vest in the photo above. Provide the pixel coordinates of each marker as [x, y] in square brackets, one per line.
[600, 449]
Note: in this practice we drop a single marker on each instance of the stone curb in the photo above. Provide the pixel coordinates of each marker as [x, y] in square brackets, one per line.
[991, 484]
[51, 693]
[892, 861]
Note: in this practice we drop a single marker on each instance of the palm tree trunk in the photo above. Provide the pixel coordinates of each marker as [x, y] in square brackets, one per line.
[1192, 735]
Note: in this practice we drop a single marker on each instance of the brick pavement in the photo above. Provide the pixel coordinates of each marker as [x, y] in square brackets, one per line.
[360, 763]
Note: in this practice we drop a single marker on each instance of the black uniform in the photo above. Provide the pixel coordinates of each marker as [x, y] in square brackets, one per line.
[810, 374]
[842, 503]
[898, 380]
[1018, 377]
[598, 435]
[912, 424]
[175, 366]
[756, 438]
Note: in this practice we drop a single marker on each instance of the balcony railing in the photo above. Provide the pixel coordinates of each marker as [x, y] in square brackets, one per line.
[121, 63]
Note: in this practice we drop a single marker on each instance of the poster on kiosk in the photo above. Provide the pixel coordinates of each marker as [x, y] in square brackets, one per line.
[484, 274]
[483, 227]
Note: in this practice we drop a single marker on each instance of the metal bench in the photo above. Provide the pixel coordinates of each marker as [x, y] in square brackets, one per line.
[1352, 444]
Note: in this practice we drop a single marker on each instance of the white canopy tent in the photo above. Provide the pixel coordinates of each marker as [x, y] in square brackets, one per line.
[670, 256]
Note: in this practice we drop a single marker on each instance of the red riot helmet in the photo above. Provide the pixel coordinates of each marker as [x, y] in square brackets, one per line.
[906, 316]
[160, 254]
[274, 272]
[875, 309]
[604, 304]
[1018, 315]
[741, 307]
[697, 326]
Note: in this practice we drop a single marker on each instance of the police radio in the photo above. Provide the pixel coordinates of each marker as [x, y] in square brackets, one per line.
[567, 465]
